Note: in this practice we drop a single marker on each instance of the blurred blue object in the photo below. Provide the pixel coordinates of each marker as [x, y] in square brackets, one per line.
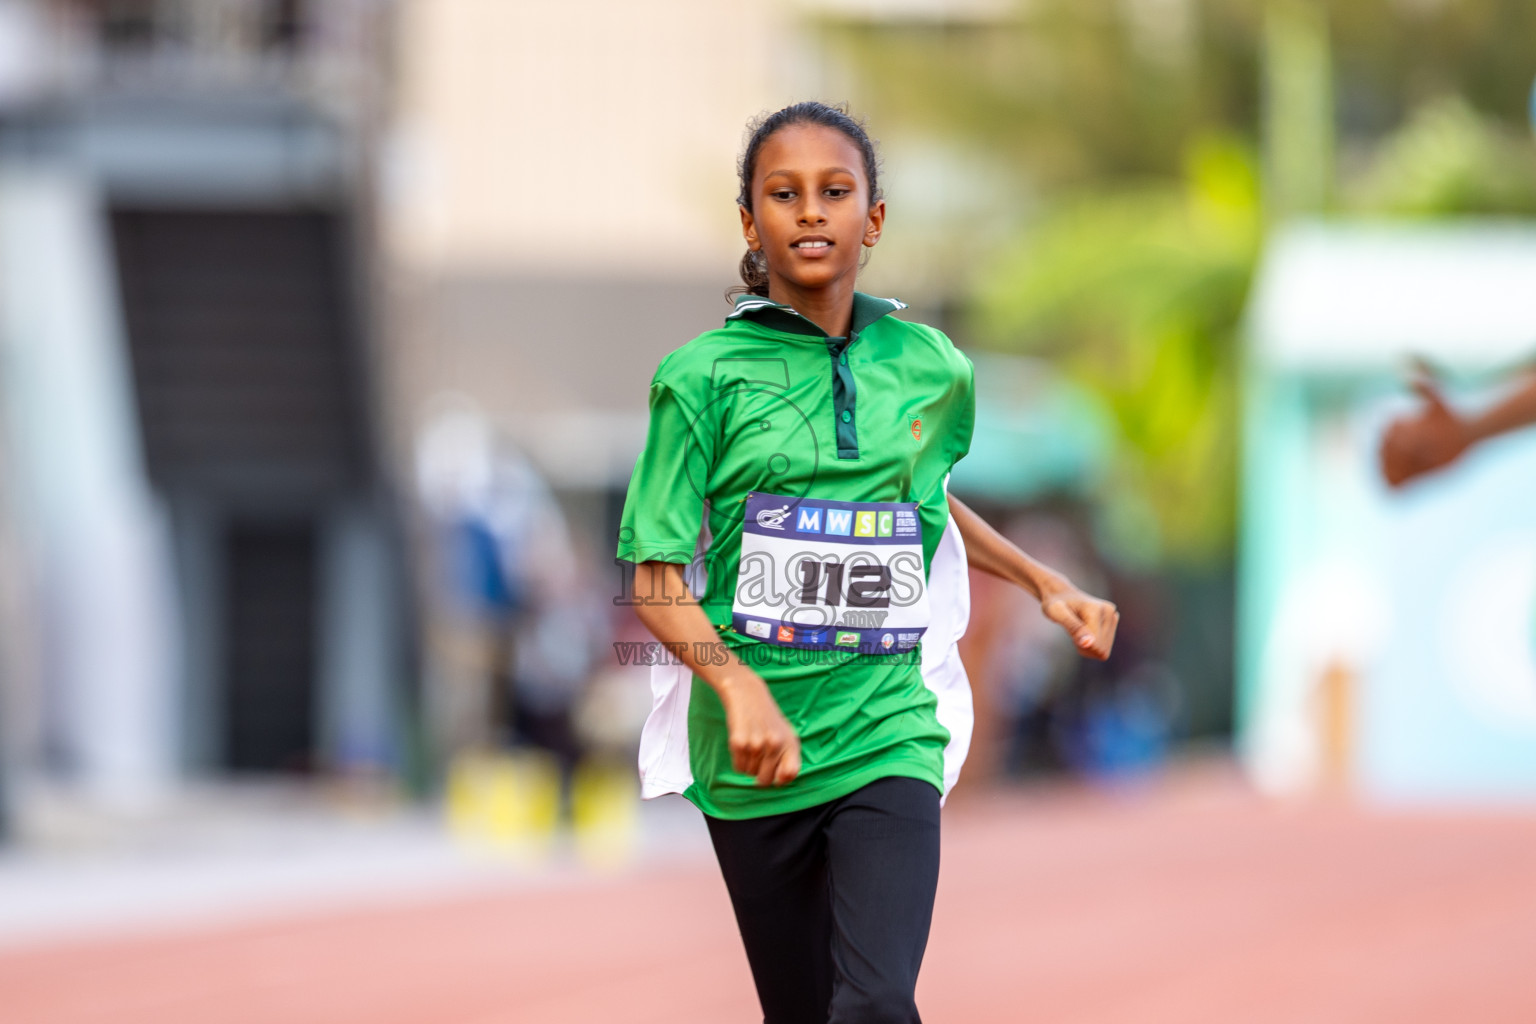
[1119, 731]
[478, 571]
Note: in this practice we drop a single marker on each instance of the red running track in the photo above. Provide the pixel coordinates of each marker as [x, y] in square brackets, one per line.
[1188, 903]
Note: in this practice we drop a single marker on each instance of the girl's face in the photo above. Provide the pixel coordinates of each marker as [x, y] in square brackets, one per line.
[811, 213]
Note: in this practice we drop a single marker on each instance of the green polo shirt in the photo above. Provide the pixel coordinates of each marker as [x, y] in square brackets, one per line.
[770, 404]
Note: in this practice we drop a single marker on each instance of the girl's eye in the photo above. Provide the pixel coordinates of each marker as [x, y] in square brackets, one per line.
[782, 193]
[836, 192]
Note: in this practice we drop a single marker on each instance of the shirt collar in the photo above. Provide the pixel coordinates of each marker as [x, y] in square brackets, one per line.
[866, 310]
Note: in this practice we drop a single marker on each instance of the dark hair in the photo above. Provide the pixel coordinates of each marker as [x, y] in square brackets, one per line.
[754, 267]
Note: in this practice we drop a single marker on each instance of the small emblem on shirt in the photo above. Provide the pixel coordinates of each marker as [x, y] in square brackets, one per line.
[848, 639]
[773, 518]
[786, 634]
[756, 627]
[886, 641]
[917, 428]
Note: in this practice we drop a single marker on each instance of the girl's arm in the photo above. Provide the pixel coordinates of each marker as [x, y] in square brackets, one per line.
[1437, 434]
[762, 741]
[1090, 621]
[1515, 410]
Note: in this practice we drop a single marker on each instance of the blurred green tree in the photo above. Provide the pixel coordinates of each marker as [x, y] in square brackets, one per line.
[1071, 90]
[1136, 292]
[1448, 160]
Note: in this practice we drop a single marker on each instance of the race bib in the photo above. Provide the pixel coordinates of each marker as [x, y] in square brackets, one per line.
[831, 575]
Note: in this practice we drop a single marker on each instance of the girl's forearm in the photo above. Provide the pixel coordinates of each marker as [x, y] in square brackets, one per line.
[667, 608]
[992, 553]
[1516, 410]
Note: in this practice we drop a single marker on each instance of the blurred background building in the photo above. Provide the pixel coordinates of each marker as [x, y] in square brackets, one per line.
[325, 327]
[206, 570]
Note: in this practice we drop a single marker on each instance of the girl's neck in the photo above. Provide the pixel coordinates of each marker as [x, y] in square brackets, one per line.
[829, 307]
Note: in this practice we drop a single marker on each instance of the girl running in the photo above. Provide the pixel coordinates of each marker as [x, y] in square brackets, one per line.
[798, 553]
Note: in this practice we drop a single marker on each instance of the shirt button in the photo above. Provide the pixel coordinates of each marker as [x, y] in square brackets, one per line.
[847, 415]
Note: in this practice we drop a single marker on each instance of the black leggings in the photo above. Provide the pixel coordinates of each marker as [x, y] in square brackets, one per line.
[834, 902]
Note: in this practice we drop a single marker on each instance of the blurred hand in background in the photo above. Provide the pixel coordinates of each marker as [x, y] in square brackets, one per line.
[1436, 435]
[1432, 437]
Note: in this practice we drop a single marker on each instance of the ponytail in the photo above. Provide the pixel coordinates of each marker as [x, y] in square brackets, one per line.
[754, 274]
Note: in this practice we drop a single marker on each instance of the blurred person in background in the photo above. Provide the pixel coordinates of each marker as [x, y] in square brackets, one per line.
[1436, 435]
[815, 420]
[556, 642]
[512, 570]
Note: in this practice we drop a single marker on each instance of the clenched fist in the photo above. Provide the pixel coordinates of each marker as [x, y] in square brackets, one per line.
[1091, 622]
[762, 742]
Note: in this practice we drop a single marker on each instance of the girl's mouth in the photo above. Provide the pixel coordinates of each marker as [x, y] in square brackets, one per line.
[812, 247]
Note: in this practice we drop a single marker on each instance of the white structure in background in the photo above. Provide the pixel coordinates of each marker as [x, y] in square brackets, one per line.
[92, 535]
[202, 540]
[1387, 640]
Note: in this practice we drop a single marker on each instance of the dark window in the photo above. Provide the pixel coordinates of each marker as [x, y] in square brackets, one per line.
[283, 25]
[242, 364]
[125, 24]
[270, 642]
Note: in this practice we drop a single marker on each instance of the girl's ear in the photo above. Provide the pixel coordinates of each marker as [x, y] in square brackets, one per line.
[874, 223]
[749, 228]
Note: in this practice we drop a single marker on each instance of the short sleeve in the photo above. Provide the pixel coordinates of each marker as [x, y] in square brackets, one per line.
[664, 506]
[965, 417]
